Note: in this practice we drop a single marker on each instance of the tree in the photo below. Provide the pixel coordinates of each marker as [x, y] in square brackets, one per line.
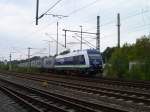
[138, 53]
[108, 53]
[120, 60]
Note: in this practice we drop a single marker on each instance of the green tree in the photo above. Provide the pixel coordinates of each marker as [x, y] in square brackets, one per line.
[120, 60]
[138, 53]
[108, 53]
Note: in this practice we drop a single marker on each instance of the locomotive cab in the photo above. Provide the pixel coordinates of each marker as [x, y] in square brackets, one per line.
[95, 60]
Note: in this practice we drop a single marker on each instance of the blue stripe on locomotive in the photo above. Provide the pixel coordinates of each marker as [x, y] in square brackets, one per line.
[74, 60]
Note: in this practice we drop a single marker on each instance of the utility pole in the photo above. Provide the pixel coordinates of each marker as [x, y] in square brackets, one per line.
[98, 34]
[37, 11]
[81, 32]
[57, 40]
[49, 46]
[65, 38]
[49, 49]
[29, 63]
[118, 26]
[81, 38]
[10, 67]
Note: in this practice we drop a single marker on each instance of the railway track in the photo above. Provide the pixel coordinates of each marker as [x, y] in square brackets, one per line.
[123, 95]
[136, 83]
[135, 97]
[132, 84]
[42, 101]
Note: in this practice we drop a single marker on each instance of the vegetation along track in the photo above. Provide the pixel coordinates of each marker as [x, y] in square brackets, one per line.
[41, 101]
[126, 95]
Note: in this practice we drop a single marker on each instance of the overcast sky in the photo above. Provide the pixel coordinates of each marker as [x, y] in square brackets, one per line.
[18, 30]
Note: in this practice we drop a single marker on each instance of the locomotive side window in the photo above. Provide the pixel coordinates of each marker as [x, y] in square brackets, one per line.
[59, 61]
[79, 59]
[74, 60]
[68, 61]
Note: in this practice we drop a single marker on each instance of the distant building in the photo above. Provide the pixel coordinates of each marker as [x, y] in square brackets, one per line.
[134, 63]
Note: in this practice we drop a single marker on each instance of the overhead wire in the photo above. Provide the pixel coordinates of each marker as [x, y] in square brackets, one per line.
[75, 11]
[86, 41]
[38, 52]
[125, 18]
[80, 41]
[84, 7]
[55, 40]
[51, 8]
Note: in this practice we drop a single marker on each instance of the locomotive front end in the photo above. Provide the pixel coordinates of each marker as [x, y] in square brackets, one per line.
[95, 61]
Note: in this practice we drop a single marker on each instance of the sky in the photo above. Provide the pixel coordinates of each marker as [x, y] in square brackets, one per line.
[18, 30]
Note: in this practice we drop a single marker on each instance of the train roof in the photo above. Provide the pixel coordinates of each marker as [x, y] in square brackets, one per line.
[78, 52]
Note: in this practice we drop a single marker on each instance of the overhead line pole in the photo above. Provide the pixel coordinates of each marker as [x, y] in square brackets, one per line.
[118, 26]
[10, 66]
[81, 38]
[65, 38]
[98, 34]
[29, 63]
[49, 46]
[87, 42]
[57, 40]
[10, 60]
[45, 13]
[37, 11]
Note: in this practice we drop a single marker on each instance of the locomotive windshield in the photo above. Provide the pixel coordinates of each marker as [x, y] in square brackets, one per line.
[94, 57]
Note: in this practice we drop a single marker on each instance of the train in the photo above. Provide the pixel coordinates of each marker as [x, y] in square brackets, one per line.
[88, 61]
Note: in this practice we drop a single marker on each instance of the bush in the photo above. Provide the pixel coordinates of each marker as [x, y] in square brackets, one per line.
[138, 52]
[4, 67]
[136, 73]
[19, 69]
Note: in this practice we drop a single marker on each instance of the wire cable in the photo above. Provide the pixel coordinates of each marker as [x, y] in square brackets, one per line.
[84, 7]
[80, 41]
[86, 41]
[50, 8]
